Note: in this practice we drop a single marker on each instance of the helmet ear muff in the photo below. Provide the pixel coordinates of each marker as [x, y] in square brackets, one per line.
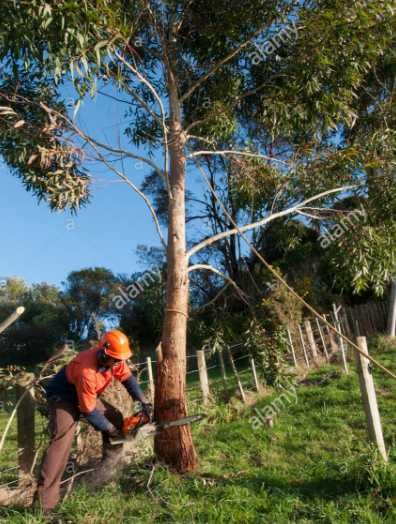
[105, 346]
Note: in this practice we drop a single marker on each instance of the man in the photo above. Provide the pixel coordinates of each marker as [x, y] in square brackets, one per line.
[73, 392]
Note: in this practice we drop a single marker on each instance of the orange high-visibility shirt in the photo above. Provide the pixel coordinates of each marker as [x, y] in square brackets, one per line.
[90, 380]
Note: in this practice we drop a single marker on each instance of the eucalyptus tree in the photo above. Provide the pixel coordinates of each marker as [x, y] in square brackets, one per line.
[200, 80]
[329, 98]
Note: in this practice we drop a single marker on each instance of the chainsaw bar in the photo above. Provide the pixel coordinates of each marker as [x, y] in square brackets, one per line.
[179, 422]
[151, 429]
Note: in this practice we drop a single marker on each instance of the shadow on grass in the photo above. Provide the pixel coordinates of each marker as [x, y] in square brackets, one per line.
[328, 487]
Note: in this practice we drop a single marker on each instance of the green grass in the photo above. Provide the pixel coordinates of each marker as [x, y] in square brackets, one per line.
[313, 466]
[9, 454]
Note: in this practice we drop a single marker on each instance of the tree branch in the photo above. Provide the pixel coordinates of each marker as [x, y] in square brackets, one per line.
[28, 388]
[92, 140]
[138, 98]
[162, 109]
[200, 138]
[207, 267]
[107, 95]
[195, 124]
[136, 189]
[217, 66]
[213, 300]
[263, 221]
[309, 215]
[238, 153]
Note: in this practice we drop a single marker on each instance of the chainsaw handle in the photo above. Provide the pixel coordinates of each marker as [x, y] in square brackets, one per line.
[130, 424]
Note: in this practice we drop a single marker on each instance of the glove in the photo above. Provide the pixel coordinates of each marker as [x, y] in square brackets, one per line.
[115, 433]
[147, 409]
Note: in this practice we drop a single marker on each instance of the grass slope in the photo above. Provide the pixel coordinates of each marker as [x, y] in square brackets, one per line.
[313, 466]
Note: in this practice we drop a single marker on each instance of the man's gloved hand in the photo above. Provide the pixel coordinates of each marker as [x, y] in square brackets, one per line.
[115, 433]
[147, 409]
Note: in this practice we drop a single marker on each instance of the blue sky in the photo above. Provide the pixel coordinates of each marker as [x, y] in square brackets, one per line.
[39, 245]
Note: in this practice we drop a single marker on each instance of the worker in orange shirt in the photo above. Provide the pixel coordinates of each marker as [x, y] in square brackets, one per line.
[74, 393]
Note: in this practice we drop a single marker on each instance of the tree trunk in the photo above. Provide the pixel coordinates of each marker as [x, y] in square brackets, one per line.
[175, 446]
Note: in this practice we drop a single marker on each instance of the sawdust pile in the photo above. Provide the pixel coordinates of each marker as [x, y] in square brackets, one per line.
[87, 454]
[20, 496]
[89, 447]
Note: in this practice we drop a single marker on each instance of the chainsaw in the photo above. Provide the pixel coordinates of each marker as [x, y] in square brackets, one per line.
[139, 423]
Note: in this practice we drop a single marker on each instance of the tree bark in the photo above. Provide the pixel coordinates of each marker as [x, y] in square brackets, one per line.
[175, 446]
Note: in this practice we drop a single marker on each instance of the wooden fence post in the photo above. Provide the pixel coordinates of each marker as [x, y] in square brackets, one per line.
[311, 339]
[150, 378]
[341, 340]
[369, 398]
[11, 319]
[391, 327]
[292, 347]
[203, 376]
[355, 322]
[322, 339]
[333, 343]
[347, 325]
[253, 366]
[25, 429]
[222, 367]
[303, 346]
[235, 371]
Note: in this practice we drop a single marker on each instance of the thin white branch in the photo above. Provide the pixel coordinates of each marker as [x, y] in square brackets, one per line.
[304, 213]
[121, 152]
[218, 295]
[136, 189]
[252, 91]
[179, 23]
[217, 66]
[112, 97]
[207, 267]
[78, 474]
[28, 388]
[138, 98]
[279, 277]
[237, 153]
[327, 210]
[95, 144]
[200, 138]
[11, 418]
[148, 84]
[108, 147]
[262, 222]
[195, 124]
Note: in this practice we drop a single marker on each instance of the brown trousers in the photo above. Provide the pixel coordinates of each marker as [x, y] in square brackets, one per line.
[63, 418]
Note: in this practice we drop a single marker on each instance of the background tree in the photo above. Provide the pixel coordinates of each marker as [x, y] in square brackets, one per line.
[87, 294]
[33, 337]
[141, 317]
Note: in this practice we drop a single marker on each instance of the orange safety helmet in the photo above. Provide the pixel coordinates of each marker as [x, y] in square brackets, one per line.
[116, 345]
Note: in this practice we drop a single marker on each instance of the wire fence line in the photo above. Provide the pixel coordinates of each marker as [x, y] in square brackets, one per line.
[311, 342]
[230, 370]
